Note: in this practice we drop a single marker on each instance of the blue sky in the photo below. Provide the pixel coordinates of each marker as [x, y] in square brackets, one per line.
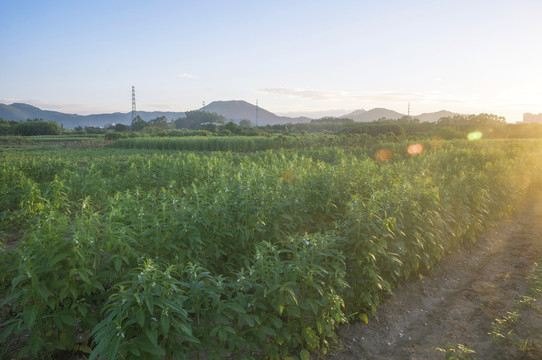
[293, 56]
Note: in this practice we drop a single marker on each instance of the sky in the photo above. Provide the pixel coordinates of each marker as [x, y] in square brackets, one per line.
[294, 57]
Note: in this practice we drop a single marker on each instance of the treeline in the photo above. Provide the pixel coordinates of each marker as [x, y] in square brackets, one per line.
[202, 123]
[456, 127]
[29, 127]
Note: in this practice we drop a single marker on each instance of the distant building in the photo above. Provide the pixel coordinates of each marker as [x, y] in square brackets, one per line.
[110, 125]
[532, 118]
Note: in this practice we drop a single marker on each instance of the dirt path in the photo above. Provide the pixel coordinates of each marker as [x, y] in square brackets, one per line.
[458, 301]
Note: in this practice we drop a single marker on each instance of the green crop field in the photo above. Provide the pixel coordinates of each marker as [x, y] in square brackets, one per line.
[138, 253]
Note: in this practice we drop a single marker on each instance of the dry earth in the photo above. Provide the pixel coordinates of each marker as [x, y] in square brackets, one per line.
[457, 302]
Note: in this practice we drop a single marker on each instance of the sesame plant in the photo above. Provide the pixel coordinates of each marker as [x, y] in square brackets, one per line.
[130, 253]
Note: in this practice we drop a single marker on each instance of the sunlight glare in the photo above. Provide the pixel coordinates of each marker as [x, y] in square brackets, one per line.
[383, 155]
[475, 135]
[415, 149]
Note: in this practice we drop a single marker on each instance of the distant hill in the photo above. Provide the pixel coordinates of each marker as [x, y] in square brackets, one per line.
[237, 110]
[373, 114]
[22, 112]
[232, 110]
[314, 114]
[433, 117]
[379, 113]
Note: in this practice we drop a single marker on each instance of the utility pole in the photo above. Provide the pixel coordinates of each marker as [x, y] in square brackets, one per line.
[133, 104]
[257, 112]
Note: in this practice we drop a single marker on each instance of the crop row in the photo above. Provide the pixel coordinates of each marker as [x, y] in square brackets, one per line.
[201, 143]
[182, 255]
[249, 143]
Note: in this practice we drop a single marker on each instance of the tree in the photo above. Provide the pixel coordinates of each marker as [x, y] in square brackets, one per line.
[37, 127]
[160, 122]
[469, 123]
[139, 124]
[94, 130]
[5, 127]
[120, 127]
[232, 127]
[245, 123]
[194, 119]
[213, 128]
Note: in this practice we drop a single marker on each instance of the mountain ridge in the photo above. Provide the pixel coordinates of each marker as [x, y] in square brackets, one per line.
[232, 110]
[379, 113]
[237, 110]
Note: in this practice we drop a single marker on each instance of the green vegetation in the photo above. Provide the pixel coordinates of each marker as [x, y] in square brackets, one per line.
[211, 124]
[123, 252]
[457, 352]
[230, 143]
[515, 333]
[29, 128]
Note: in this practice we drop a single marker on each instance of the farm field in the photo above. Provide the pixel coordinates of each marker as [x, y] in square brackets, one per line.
[486, 298]
[154, 253]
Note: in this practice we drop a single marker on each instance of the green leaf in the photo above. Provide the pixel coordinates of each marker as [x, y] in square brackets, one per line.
[64, 292]
[85, 348]
[140, 317]
[277, 323]
[83, 309]
[134, 349]
[67, 317]
[17, 279]
[236, 307]
[118, 263]
[43, 291]
[30, 313]
[152, 335]
[83, 275]
[150, 303]
[304, 355]
[144, 344]
[7, 330]
[59, 258]
[164, 321]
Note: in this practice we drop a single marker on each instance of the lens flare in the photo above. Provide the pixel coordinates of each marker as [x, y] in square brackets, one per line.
[383, 155]
[475, 135]
[415, 149]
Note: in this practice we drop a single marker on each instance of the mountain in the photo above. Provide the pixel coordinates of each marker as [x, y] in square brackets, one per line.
[232, 110]
[237, 110]
[379, 113]
[314, 114]
[22, 112]
[373, 114]
[433, 117]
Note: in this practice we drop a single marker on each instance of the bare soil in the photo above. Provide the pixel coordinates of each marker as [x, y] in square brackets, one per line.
[457, 302]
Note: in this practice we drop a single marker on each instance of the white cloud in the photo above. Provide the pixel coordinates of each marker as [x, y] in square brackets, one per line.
[365, 96]
[187, 76]
[305, 94]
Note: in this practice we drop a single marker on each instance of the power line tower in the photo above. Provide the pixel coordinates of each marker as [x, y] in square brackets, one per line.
[133, 104]
[257, 108]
